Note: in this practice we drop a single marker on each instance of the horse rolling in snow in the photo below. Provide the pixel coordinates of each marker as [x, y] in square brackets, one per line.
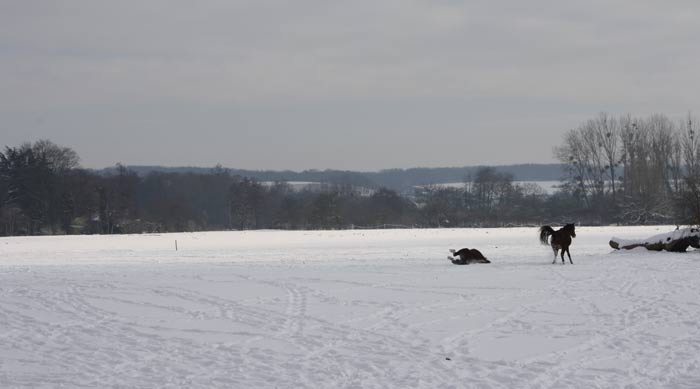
[561, 240]
[466, 256]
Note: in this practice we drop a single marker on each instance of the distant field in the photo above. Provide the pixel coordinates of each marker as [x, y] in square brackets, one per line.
[548, 186]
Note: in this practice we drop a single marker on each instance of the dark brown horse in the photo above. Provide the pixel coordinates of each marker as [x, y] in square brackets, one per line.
[561, 239]
[466, 256]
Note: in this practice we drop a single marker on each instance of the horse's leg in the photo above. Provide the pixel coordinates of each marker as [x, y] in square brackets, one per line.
[562, 255]
[555, 254]
[569, 254]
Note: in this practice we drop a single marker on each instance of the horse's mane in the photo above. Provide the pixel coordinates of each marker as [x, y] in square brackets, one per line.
[570, 228]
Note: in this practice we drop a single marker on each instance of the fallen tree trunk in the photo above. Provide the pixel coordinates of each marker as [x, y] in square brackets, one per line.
[675, 241]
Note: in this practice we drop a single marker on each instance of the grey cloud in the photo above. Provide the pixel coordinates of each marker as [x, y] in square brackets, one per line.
[397, 82]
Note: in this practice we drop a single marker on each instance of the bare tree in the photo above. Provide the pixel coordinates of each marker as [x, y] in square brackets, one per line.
[647, 157]
[607, 134]
[675, 160]
[585, 157]
[690, 197]
[572, 153]
[59, 158]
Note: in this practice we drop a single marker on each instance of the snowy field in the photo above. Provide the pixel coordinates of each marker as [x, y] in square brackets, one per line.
[346, 309]
[548, 187]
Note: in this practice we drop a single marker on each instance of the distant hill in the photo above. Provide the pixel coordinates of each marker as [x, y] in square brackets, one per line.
[405, 178]
[397, 179]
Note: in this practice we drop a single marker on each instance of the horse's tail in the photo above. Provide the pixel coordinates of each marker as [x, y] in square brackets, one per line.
[545, 232]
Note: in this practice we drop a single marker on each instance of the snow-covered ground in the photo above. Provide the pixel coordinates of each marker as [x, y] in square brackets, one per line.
[549, 187]
[297, 186]
[331, 309]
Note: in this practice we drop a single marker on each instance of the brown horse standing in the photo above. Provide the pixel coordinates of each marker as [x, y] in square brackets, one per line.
[561, 239]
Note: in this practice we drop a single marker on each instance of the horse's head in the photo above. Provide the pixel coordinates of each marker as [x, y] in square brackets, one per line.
[571, 229]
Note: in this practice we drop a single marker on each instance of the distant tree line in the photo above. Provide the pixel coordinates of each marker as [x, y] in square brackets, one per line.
[44, 191]
[401, 180]
[619, 170]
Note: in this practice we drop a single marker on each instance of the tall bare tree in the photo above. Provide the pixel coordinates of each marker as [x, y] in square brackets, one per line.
[59, 158]
[690, 197]
[608, 135]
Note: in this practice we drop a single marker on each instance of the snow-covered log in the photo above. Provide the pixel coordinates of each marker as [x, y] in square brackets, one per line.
[676, 241]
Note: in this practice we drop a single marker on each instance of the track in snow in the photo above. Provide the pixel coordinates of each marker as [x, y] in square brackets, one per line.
[346, 309]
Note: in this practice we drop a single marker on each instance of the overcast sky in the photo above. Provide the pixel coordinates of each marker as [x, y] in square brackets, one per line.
[361, 84]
